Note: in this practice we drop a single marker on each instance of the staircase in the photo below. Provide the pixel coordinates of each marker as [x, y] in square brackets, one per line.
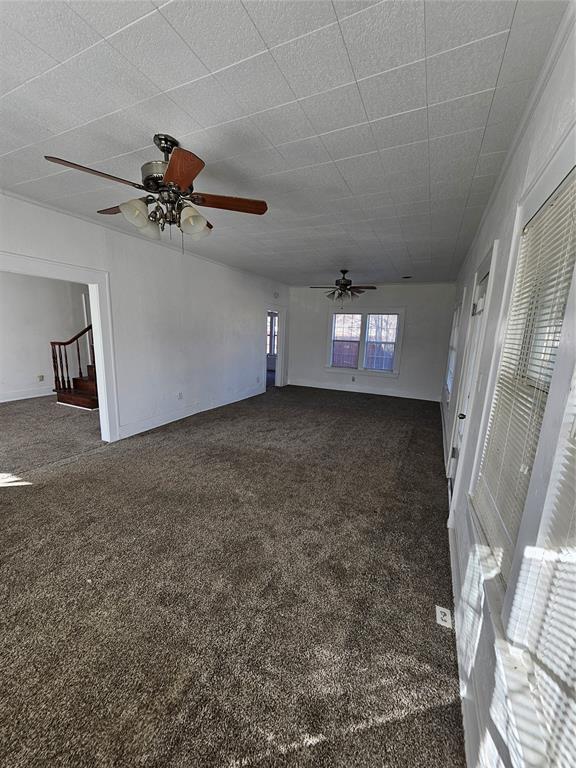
[80, 391]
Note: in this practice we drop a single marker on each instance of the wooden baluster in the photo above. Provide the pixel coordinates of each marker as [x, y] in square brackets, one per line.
[67, 374]
[55, 367]
[79, 363]
[91, 347]
[62, 376]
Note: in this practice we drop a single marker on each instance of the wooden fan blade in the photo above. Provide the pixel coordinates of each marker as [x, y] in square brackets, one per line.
[323, 287]
[365, 287]
[356, 290]
[183, 167]
[78, 167]
[240, 204]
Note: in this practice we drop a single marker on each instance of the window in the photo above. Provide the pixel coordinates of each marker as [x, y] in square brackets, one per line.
[366, 341]
[346, 340]
[381, 333]
[543, 616]
[272, 333]
[452, 348]
[541, 287]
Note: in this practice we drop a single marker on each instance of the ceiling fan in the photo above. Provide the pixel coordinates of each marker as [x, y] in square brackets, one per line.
[169, 184]
[344, 288]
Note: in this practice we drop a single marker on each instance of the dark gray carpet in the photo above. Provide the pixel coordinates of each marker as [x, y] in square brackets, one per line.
[253, 586]
[39, 431]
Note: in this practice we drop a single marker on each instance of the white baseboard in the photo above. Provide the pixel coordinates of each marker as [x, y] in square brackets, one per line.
[136, 427]
[78, 407]
[25, 394]
[361, 389]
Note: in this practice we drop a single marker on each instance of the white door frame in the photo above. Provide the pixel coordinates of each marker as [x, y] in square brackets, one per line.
[471, 357]
[281, 356]
[98, 282]
[447, 395]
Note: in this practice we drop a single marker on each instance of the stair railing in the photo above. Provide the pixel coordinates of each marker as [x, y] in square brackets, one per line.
[62, 379]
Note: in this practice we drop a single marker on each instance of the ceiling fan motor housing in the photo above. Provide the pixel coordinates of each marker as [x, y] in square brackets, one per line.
[343, 282]
[153, 173]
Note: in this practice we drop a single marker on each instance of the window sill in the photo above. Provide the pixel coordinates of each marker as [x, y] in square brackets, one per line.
[363, 372]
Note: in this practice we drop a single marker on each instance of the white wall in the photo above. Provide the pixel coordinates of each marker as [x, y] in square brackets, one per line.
[427, 321]
[33, 312]
[180, 324]
[497, 731]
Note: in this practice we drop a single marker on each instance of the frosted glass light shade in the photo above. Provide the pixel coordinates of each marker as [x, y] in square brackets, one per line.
[191, 222]
[151, 230]
[135, 212]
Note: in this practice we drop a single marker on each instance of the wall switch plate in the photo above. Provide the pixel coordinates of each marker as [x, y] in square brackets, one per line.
[443, 617]
[41, 377]
[353, 378]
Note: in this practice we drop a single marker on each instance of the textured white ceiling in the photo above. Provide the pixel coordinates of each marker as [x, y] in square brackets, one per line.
[375, 130]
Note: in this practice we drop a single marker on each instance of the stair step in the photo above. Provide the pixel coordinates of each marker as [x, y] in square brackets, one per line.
[85, 384]
[77, 397]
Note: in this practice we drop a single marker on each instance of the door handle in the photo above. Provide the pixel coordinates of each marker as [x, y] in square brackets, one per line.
[461, 415]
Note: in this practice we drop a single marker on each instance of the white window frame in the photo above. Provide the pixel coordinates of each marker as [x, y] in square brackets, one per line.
[452, 347]
[523, 705]
[272, 337]
[364, 312]
[487, 268]
[532, 517]
[535, 197]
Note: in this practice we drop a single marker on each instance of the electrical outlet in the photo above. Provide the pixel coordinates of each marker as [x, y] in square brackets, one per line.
[180, 396]
[41, 377]
[353, 378]
[443, 617]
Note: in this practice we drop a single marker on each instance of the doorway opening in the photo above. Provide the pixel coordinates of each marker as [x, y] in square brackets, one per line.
[95, 284]
[271, 348]
[48, 390]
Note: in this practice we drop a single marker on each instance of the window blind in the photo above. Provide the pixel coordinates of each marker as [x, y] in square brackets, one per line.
[539, 295]
[552, 623]
[543, 618]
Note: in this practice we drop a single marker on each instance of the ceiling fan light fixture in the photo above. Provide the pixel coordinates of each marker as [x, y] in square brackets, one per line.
[135, 212]
[170, 193]
[344, 289]
[151, 230]
[191, 221]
